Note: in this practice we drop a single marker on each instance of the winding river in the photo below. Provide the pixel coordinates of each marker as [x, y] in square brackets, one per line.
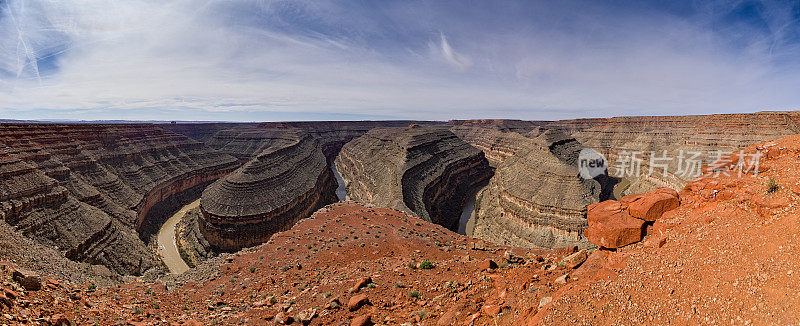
[341, 191]
[166, 241]
[466, 223]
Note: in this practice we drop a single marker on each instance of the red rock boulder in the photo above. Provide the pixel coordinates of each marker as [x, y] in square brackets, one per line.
[610, 226]
[649, 206]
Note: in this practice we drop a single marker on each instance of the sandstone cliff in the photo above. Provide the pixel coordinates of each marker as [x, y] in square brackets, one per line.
[424, 171]
[287, 181]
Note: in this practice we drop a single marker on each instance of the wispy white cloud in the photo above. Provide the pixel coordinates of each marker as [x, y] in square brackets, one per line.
[261, 60]
[455, 59]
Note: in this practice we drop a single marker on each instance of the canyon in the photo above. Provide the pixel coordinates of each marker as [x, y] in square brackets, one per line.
[94, 192]
[268, 242]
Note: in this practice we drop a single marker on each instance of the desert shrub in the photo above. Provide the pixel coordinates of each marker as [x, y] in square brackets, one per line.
[772, 186]
[426, 265]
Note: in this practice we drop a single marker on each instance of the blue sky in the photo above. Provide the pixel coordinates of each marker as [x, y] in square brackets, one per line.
[259, 60]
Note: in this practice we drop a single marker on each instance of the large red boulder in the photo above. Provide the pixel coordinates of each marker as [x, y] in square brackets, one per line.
[649, 206]
[610, 226]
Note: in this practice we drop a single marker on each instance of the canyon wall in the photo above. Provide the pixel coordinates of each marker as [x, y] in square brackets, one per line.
[640, 141]
[536, 197]
[334, 134]
[202, 131]
[424, 171]
[495, 144]
[87, 189]
[287, 181]
[504, 125]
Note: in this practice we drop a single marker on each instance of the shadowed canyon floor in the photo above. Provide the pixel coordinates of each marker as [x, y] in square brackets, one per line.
[722, 249]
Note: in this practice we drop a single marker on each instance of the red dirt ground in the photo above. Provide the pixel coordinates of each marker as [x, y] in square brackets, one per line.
[319, 260]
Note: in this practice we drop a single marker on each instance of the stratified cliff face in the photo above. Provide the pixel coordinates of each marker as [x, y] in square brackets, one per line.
[334, 134]
[87, 189]
[707, 135]
[495, 144]
[536, 197]
[504, 125]
[286, 182]
[245, 144]
[425, 171]
[203, 132]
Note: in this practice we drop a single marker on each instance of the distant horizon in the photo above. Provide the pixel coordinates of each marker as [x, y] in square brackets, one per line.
[155, 121]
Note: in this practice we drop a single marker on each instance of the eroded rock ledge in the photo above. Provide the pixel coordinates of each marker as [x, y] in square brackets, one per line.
[286, 182]
[424, 171]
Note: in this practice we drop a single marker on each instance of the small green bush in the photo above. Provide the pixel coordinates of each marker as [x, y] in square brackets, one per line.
[414, 294]
[772, 186]
[426, 265]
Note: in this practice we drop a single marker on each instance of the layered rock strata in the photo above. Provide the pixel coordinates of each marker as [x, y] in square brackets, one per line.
[496, 144]
[504, 125]
[246, 144]
[536, 197]
[424, 171]
[284, 183]
[631, 144]
[203, 132]
[88, 189]
[334, 134]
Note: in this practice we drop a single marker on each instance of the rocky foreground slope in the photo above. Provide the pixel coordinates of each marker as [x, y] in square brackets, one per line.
[287, 181]
[91, 191]
[725, 255]
[347, 264]
[424, 171]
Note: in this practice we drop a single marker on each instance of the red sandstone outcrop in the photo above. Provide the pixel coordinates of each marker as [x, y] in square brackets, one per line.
[614, 224]
[287, 181]
[611, 226]
[425, 171]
